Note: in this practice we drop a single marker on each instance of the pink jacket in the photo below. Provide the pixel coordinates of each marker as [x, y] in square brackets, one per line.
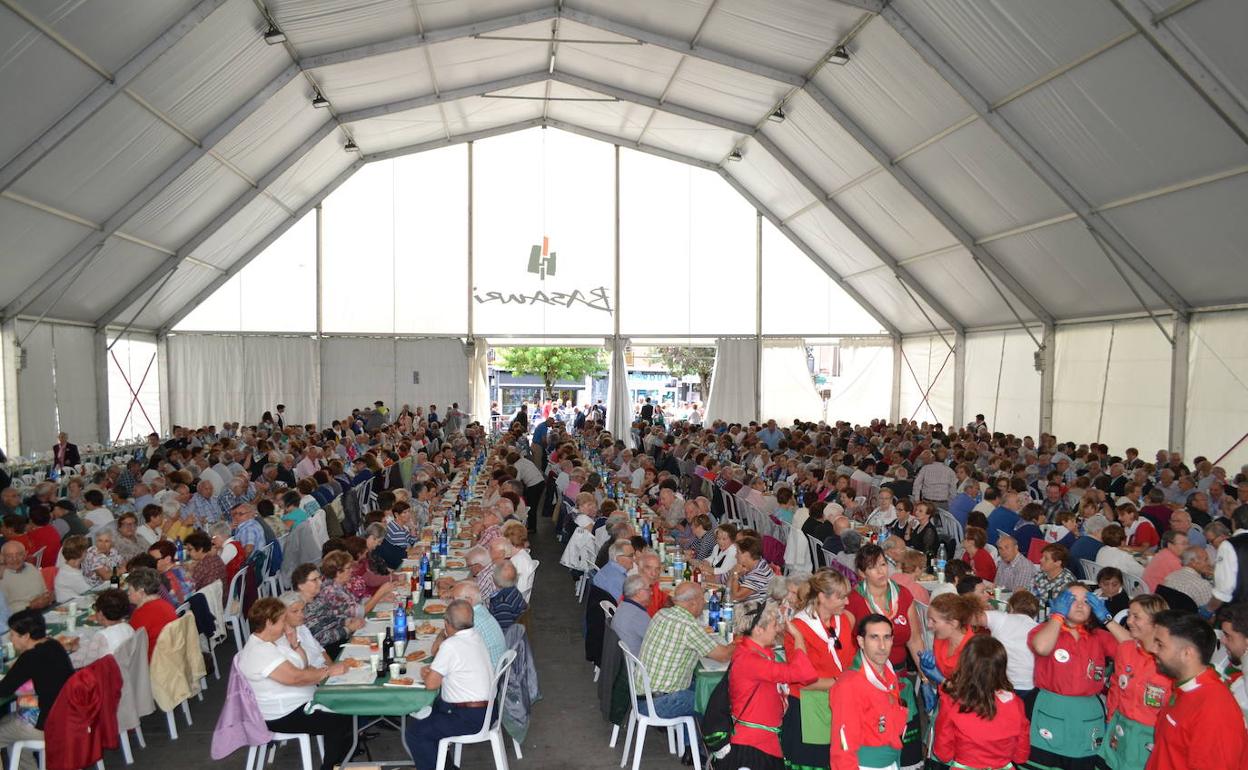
[240, 723]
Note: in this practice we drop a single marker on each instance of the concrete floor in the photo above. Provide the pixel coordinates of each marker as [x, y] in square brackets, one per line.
[567, 729]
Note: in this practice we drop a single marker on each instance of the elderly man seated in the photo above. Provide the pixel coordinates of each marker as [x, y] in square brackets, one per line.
[631, 617]
[491, 633]
[620, 561]
[507, 604]
[22, 583]
[462, 671]
[1193, 578]
[673, 644]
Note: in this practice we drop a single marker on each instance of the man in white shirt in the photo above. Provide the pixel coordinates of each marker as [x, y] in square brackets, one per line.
[1226, 578]
[1012, 629]
[94, 514]
[461, 668]
[534, 484]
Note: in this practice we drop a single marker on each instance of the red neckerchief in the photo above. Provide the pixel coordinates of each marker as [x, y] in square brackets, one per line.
[946, 660]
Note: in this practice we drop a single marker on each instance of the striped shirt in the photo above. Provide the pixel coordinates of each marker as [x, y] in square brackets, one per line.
[758, 580]
[397, 534]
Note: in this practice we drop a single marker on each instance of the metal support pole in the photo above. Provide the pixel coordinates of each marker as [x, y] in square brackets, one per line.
[1178, 383]
[11, 415]
[615, 317]
[162, 374]
[1047, 358]
[758, 315]
[320, 307]
[959, 380]
[99, 348]
[470, 244]
[894, 403]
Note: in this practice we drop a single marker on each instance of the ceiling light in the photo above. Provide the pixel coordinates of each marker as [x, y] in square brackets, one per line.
[351, 146]
[274, 36]
[839, 57]
[778, 116]
[735, 155]
[319, 101]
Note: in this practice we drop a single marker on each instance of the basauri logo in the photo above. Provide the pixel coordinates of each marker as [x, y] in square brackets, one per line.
[542, 261]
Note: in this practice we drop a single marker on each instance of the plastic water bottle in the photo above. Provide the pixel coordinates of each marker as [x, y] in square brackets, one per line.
[726, 613]
[713, 611]
[940, 564]
[645, 531]
[179, 550]
[424, 566]
[400, 629]
[442, 542]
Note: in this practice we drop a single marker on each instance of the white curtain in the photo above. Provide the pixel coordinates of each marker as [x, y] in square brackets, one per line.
[1217, 391]
[619, 409]
[355, 372]
[788, 391]
[206, 380]
[479, 381]
[1002, 382]
[927, 379]
[57, 386]
[863, 389]
[36, 398]
[281, 370]
[734, 385]
[440, 365]
[74, 348]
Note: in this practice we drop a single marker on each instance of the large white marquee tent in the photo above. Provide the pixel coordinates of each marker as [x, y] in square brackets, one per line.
[1036, 210]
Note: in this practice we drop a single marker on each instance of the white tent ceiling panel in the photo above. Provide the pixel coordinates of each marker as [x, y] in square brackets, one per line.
[400, 129]
[117, 267]
[960, 286]
[32, 242]
[643, 69]
[437, 14]
[480, 113]
[721, 91]
[460, 63]
[181, 209]
[983, 183]
[697, 140]
[887, 295]
[1066, 271]
[105, 162]
[28, 60]
[840, 248]
[273, 131]
[1195, 238]
[622, 119]
[818, 144]
[894, 217]
[102, 32]
[763, 175]
[890, 92]
[677, 18]
[245, 229]
[328, 25]
[376, 80]
[313, 171]
[791, 36]
[1214, 31]
[1003, 45]
[1125, 123]
[214, 69]
[187, 281]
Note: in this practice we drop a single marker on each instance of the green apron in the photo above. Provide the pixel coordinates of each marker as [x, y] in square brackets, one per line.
[1127, 745]
[878, 756]
[1070, 726]
[816, 713]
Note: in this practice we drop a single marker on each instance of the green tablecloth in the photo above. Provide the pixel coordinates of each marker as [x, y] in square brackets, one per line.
[373, 699]
[704, 683]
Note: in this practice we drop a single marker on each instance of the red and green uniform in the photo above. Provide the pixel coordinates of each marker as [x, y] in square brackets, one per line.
[869, 717]
[1200, 728]
[1137, 692]
[1068, 720]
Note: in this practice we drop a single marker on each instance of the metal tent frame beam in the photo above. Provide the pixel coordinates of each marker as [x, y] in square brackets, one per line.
[1037, 162]
[70, 121]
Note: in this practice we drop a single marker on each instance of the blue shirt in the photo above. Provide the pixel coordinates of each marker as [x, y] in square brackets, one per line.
[611, 579]
[630, 623]
[1001, 519]
[4, 614]
[961, 505]
[507, 605]
[251, 533]
[771, 437]
[1084, 548]
[1024, 533]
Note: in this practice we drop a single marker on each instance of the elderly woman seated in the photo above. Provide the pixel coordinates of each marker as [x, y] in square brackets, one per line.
[102, 559]
[69, 582]
[332, 612]
[112, 608]
[284, 680]
[313, 651]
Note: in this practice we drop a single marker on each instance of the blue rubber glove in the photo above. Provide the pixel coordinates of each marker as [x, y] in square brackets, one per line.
[927, 664]
[928, 693]
[1061, 604]
[1205, 613]
[1099, 609]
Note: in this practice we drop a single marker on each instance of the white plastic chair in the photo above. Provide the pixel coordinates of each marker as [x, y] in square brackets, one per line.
[637, 670]
[1133, 585]
[15, 754]
[491, 727]
[234, 618]
[1090, 570]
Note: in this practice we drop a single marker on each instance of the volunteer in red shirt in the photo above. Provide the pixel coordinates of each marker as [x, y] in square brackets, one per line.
[1200, 727]
[868, 712]
[828, 631]
[981, 722]
[1137, 691]
[1068, 720]
[1141, 534]
[975, 554]
[757, 705]
[949, 618]
[875, 593]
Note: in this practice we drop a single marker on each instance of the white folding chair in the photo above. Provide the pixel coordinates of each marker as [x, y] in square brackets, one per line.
[234, 618]
[1090, 569]
[1133, 585]
[640, 721]
[15, 754]
[608, 613]
[491, 727]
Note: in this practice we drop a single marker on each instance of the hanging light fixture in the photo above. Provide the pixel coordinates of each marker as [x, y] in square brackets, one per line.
[734, 156]
[274, 36]
[839, 57]
[351, 146]
[319, 101]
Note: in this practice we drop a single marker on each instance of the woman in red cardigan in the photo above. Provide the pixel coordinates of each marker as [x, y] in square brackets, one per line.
[976, 555]
[757, 705]
[981, 722]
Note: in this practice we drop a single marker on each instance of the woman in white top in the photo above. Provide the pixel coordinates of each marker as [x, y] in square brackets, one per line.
[1111, 555]
[111, 608]
[724, 556]
[884, 514]
[284, 681]
[312, 649]
[70, 583]
[518, 536]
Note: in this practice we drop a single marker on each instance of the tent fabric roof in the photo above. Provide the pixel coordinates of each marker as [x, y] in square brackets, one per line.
[975, 163]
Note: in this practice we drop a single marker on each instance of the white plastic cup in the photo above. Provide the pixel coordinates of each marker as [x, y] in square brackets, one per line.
[375, 661]
[395, 670]
[381, 638]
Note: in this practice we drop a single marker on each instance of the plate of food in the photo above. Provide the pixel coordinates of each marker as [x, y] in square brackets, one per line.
[404, 681]
[426, 628]
[416, 656]
[364, 641]
[383, 615]
[434, 608]
[455, 564]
